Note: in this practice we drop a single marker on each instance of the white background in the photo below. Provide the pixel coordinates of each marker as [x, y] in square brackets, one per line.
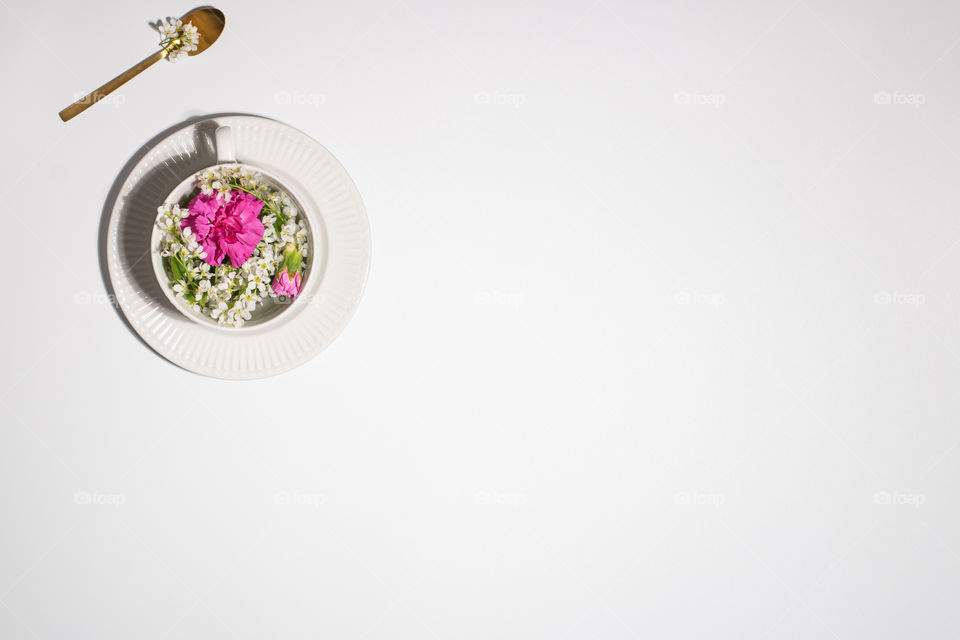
[660, 338]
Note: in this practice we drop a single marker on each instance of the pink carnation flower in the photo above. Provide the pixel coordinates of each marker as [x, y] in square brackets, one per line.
[231, 229]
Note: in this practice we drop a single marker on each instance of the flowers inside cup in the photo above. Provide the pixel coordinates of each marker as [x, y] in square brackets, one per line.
[236, 243]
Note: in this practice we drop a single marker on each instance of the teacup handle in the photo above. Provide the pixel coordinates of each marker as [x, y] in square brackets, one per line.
[224, 140]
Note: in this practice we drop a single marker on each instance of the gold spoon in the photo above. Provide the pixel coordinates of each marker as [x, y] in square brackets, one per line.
[209, 23]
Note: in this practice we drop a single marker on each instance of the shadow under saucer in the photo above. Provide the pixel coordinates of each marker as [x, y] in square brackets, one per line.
[137, 212]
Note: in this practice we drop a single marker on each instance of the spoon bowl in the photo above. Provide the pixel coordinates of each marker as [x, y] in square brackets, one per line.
[209, 23]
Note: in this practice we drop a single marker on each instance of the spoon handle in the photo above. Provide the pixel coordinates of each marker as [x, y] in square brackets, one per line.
[97, 95]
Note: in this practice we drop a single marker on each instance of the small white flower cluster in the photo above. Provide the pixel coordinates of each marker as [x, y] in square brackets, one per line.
[226, 294]
[179, 39]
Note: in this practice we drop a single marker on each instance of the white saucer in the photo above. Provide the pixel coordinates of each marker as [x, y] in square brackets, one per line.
[299, 333]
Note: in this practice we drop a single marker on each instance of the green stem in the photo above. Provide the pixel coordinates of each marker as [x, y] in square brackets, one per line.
[266, 205]
[168, 41]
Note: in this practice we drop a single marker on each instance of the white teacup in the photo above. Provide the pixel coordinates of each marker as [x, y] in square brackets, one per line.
[271, 309]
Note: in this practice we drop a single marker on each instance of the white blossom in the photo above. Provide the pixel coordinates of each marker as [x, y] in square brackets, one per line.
[227, 295]
[177, 38]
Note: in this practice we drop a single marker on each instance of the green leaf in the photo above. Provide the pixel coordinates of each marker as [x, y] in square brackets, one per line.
[177, 268]
[293, 262]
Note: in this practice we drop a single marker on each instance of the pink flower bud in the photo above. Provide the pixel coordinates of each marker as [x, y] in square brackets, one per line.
[287, 282]
[284, 285]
